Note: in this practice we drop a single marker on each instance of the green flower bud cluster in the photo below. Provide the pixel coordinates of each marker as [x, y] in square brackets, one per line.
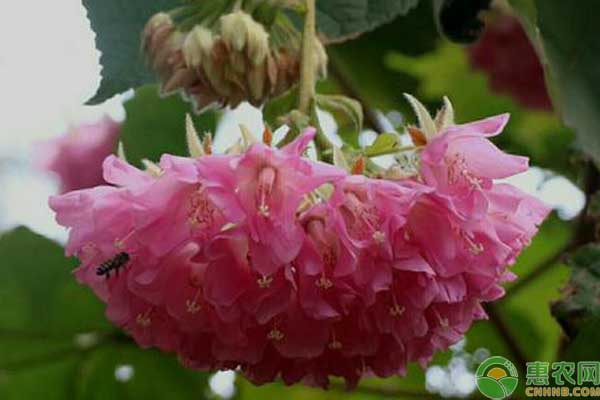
[233, 60]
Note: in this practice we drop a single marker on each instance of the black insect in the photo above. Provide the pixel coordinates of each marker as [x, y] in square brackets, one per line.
[114, 264]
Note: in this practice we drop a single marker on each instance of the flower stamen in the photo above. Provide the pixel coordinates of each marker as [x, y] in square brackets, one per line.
[397, 310]
[144, 320]
[275, 335]
[379, 237]
[202, 212]
[264, 281]
[324, 283]
[266, 180]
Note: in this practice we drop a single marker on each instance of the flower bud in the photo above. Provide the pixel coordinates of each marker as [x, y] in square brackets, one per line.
[197, 46]
[226, 62]
[158, 28]
[234, 29]
[256, 81]
[258, 43]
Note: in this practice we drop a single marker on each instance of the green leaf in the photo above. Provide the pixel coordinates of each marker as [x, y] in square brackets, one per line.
[338, 20]
[348, 114]
[529, 13]
[91, 375]
[155, 126]
[43, 313]
[385, 143]
[44, 321]
[368, 78]
[571, 44]
[39, 294]
[118, 25]
[276, 110]
[53, 380]
[155, 376]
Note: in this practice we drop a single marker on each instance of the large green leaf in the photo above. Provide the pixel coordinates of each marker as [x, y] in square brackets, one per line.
[39, 295]
[96, 375]
[155, 376]
[55, 342]
[155, 126]
[342, 19]
[571, 44]
[118, 25]
[368, 78]
[43, 313]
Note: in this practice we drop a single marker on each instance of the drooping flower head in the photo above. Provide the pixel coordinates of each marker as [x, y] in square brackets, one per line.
[282, 266]
[76, 157]
[510, 61]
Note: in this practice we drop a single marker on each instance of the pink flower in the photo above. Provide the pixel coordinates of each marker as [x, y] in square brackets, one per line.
[76, 157]
[270, 186]
[462, 161]
[516, 217]
[242, 261]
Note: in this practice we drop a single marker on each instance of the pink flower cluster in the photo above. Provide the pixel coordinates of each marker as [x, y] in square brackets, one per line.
[235, 262]
[76, 157]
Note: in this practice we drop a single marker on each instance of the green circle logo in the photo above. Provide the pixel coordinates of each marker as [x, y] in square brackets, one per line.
[497, 378]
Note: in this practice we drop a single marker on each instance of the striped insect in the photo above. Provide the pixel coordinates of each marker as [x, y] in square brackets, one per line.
[114, 264]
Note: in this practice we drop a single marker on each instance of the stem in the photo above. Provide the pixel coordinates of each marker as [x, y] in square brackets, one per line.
[308, 75]
[308, 68]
